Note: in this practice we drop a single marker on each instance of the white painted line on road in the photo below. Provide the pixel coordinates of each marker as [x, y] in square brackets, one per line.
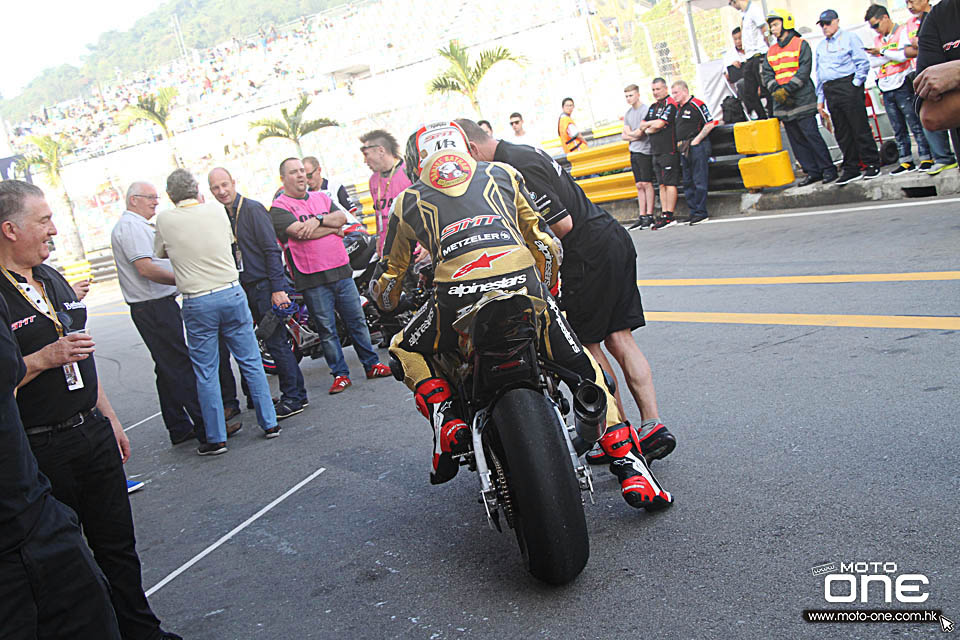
[873, 207]
[200, 556]
[147, 419]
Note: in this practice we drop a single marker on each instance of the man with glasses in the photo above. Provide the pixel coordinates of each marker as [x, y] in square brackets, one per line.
[316, 182]
[520, 136]
[841, 69]
[889, 59]
[381, 154]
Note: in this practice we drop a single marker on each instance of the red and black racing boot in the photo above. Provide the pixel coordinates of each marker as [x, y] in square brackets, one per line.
[640, 489]
[451, 435]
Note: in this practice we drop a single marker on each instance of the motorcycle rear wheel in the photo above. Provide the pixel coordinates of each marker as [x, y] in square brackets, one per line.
[547, 508]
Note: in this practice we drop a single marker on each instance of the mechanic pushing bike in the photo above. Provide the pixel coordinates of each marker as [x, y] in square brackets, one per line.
[480, 225]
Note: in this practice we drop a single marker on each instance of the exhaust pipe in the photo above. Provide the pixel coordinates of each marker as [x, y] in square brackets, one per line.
[589, 411]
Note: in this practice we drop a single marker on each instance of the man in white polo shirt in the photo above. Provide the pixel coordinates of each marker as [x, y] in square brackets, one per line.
[197, 239]
[753, 31]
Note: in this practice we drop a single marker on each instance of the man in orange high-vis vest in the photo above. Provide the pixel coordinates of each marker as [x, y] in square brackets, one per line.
[888, 57]
[786, 75]
[570, 137]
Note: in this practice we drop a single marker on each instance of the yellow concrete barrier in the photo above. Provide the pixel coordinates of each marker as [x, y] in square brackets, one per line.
[608, 157]
[773, 170]
[77, 271]
[758, 136]
[617, 186]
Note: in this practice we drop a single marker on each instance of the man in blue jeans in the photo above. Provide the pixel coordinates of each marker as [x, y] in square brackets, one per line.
[693, 125]
[262, 278]
[310, 232]
[196, 238]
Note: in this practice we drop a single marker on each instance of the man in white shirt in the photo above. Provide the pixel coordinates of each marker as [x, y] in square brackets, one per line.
[519, 135]
[733, 61]
[753, 31]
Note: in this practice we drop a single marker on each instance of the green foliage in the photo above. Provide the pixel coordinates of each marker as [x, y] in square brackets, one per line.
[151, 42]
[464, 77]
[291, 126]
[50, 154]
[153, 108]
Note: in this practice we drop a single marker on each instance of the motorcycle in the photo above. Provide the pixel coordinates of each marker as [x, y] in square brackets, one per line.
[526, 457]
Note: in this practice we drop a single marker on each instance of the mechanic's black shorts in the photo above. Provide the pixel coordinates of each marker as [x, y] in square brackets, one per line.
[667, 166]
[600, 295]
[642, 165]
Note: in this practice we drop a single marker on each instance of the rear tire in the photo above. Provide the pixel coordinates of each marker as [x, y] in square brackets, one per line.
[549, 521]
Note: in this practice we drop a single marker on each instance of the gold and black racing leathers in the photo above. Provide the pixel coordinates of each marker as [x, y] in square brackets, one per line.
[483, 231]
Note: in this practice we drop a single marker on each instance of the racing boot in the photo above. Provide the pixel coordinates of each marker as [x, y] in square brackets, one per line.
[451, 435]
[640, 489]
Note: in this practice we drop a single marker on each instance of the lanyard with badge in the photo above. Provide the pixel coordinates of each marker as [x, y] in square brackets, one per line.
[235, 247]
[62, 322]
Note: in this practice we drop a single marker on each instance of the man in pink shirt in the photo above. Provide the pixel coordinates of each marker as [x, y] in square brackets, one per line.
[318, 262]
[382, 154]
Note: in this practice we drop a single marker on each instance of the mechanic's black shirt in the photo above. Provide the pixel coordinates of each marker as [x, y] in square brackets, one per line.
[664, 141]
[45, 400]
[22, 486]
[558, 196]
[939, 42]
[691, 118]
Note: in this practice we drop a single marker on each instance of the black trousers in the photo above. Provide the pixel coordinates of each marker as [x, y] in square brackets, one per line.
[86, 473]
[809, 148]
[850, 126]
[161, 327]
[752, 82]
[50, 588]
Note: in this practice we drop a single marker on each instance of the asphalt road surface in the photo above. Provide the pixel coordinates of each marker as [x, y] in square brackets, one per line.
[817, 423]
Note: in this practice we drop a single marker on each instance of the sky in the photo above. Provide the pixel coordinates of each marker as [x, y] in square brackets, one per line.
[48, 33]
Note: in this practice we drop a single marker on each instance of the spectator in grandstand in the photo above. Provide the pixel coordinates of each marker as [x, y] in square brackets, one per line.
[72, 429]
[258, 260]
[841, 69]
[316, 182]
[753, 29]
[196, 236]
[599, 278]
[939, 141]
[486, 126]
[519, 136]
[308, 227]
[148, 287]
[786, 74]
[659, 127]
[641, 160]
[381, 154]
[938, 64]
[889, 59]
[570, 137]
[733, 61]
[693, 146]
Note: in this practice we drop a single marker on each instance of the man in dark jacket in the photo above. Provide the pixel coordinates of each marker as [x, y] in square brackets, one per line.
[786, 74]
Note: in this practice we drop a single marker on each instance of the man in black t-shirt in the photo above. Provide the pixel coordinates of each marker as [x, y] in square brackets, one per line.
[693, 126]
[72, 429]
[938, 68]
[666, 161]
[599, 277]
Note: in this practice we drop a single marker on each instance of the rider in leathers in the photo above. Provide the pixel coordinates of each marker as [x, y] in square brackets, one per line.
[480, 225]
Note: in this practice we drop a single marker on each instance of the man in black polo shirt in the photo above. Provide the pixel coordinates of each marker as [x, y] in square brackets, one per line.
[261, 275]
[599, 274]
[50, 586]
[938, 68]
[692, 128]
[666, 162]
[73, 431]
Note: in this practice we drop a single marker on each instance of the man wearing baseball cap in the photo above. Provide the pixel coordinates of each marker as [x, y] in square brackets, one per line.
[841, 69]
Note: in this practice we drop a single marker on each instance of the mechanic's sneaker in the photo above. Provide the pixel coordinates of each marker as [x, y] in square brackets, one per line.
[655, 441]
[904, 167]
[134, 485]
[272, 432]
[378, 370]
[597, 456]
[286, 408]
[938, 167]
[697, 219]
[339, 384]
[663, 221]
[871, 172]
[847, 178]
[637, 484]
[925, 165]
[212, 448]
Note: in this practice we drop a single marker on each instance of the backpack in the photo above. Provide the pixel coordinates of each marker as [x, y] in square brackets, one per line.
[732, 110]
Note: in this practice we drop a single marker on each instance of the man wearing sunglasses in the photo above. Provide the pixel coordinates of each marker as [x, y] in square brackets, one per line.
[316, 182]
[381, 154]
[519, 136]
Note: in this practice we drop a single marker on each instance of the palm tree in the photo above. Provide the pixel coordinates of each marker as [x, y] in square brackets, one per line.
[463, 76]
[155, 109]
[292, 126]
[50, 154]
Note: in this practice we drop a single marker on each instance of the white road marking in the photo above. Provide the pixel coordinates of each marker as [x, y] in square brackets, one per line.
[147, 419]
[200, 556]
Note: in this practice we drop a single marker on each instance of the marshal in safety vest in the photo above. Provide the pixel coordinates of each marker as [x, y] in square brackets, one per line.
[785, 60]
[570, 143]
[885, 43]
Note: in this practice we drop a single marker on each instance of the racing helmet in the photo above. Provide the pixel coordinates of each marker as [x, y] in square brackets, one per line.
[429, 139]
[783, 15]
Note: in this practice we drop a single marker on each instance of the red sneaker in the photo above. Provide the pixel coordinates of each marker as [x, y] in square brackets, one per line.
[339, 384]
[378, 370]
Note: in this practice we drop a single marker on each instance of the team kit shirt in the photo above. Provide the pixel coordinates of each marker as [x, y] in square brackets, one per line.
[663, 142]
[939, 42]
[691, 118]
